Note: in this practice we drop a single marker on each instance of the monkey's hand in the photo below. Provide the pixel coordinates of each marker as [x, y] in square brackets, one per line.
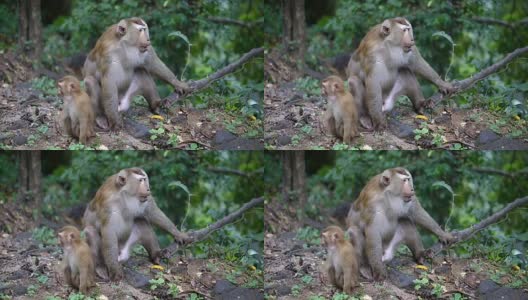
[446, 88]
[181, 87]
[183, 238]
[447, 238]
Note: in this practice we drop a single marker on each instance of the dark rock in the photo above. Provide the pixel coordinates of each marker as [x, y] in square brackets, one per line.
[137, 130]
[489, 290]
[18, 274]
[223, 137]
[282, 124]
[443, 119]
[283, 290]
[444, 269]
[283, 274]
[225, 140]
[283, 140]
[400, 129]
[487, 136]
[401, 279]
[224, 290]
[136, 279]
[18, 290]
[20, 140]
[18, 124]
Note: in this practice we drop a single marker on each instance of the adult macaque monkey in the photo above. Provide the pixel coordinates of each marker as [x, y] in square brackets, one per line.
[386, 61]
[341, 117]
[77, 263]
[385, 215]
[120, 66]
[119, 216]
[341, 265]
[77, 115]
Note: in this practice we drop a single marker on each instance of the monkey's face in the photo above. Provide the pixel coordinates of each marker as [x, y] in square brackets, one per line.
[67, 235]
[68, 85]
[398, 181]
[134, 181]
[332, 86]
[134, 31]
[398, 32]
[332, 235]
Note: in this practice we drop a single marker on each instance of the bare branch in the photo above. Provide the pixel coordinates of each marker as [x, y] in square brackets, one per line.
[501, 172]
[201, 234]
[227, 21]
[229, 172]
[468, 82]
[494, 218]
[492, 21]
[202, 83]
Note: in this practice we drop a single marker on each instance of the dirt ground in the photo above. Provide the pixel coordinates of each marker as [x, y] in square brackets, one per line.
[29, 120]
[293, 121]
[292, 270]
[28, 270]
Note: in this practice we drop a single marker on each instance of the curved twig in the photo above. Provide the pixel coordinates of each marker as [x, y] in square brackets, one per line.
[494, 218]
[202, 83]
[468, 82]
[198, 235]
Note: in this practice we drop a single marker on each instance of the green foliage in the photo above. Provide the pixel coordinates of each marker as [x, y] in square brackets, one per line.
[79, 296]
[310, 235]
[421, 282]
[173, 290]
[46, 85]
[32, 290]
[194, 296]
[155, 283]
[45, 236]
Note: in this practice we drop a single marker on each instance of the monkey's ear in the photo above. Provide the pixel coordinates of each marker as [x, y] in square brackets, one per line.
[385, 28]
[385, 178]
[121, 178]
[121, 28]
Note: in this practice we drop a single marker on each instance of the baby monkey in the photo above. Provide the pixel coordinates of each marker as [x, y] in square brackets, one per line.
[341, 116]
[77, 263]
[341, 265]
[77, 112]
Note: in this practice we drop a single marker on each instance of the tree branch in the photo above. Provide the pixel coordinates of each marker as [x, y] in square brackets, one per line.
[227, 21]
[494, 218]
[229, 172]
[198, 235]
[500, 22]
[468, 82]
[202, 83]
[501, 172]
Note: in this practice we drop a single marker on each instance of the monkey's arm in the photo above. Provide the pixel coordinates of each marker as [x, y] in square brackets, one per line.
[420, 66]
[421, 217]
[155, 66]
[155, 216]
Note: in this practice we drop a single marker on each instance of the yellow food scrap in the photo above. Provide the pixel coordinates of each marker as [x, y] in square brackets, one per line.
[422, 267]
[252, 268]
[157, 117]
[422, 117]
[157, 267]
[516, 268]
[517, 118]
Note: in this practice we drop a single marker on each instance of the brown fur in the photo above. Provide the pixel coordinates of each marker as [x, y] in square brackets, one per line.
[77, 263]
[341, 116]
[343, 269]
[77, 114]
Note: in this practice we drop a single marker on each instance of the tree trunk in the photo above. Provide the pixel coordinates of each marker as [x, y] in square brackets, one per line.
[294, 37]
[293, 177]
[29, 177]
[35, 29]
[30, 28]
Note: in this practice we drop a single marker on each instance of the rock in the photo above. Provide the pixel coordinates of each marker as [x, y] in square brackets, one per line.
[400, 129]
[401, 279]
[20, 140]
[489, 290]
[223, 137]
[225, 290]
[136, 279]
[225, 140]
[283, 140]
[137, 130]
[487, 136]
